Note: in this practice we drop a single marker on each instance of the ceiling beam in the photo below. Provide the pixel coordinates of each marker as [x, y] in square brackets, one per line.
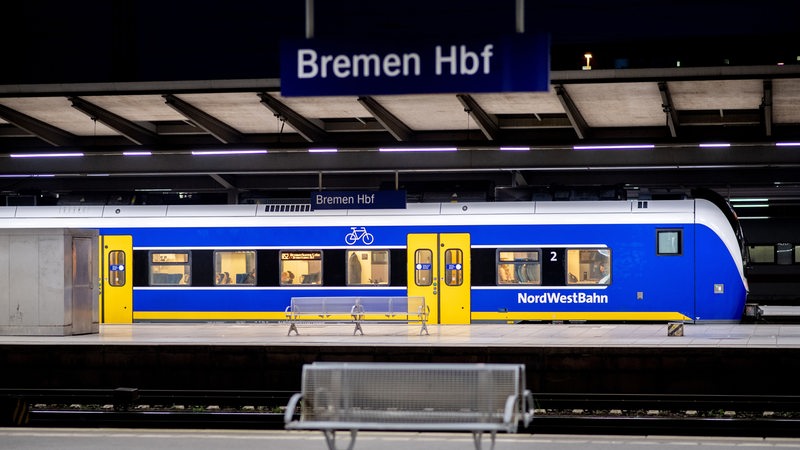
[217, 128]
[222, 181]
[390, 122]
[766, 107]
[669, 108]
[134, 132]
[307, 129]
[486, 121]
[44, 131]
[574, 115]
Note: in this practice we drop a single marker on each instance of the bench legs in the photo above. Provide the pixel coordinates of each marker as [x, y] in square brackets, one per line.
[330, 438]
[477, 437]
[424, 328]
[293, 326]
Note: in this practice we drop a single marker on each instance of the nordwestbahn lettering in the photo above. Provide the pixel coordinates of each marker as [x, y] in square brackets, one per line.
[558, 297]
[336, 67]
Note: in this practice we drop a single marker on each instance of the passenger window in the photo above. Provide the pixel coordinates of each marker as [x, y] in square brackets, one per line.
[116, 268]
[454, 267]
[367, 267]
[783, 253]
[235, 267]
[301, 267]
[762, 254]
[423, 267]
[797, 254]
[589, 266]
[669, 242]
[170, 268]
[519, 267]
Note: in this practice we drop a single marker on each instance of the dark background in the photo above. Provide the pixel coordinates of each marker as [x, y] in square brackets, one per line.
[51, 41]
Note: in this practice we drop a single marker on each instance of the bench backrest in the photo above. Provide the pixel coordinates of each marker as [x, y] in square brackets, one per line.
[344, 305]
[422, 393]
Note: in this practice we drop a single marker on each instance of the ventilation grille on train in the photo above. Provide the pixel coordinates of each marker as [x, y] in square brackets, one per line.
[288, 207]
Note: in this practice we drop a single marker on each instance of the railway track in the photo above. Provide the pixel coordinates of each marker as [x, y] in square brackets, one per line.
[692, 415]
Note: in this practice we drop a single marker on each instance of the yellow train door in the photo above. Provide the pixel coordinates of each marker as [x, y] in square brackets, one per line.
[116, 293]
[439, 270]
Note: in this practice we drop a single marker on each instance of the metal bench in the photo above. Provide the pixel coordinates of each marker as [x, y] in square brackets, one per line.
[479, 398]
[357, 310]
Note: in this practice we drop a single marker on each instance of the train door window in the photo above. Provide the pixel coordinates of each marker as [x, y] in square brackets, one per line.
[518, 267]
[367, 267]
[589, 266]
[116, 268]
[170, 268]
[301, 267]
[234, 267]
[783, 253]
[454, 267]
[762, 254]
[669, 242]
[423, 267]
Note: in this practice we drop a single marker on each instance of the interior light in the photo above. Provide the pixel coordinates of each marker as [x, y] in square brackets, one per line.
[715, 145]
[749, 199]
[47, 155]
[787, 144]
[751, 205]
[323, 150]
[137, 153]
[512, 149]
[228, 152]
[614, 147]
[419, 149]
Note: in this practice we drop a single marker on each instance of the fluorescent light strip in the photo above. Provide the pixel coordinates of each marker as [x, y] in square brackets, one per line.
[419, 149]
[754, 218]
[614, 147]
[46, 155]
[787, 144]
[749, 199]
[137, 153]
[713, 145]
[228, 152]
[752, 205]
[515, 149]
[323, 150]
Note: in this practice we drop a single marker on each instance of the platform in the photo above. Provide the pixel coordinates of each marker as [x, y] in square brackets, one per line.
[401, 335]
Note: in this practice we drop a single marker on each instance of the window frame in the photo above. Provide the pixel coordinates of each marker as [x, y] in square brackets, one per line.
[661, 231]
[187, 265]
[298, 278]
[515, 262]
[219, 270]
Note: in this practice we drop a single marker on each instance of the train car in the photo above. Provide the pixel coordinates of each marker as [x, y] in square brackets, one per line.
[604, 261]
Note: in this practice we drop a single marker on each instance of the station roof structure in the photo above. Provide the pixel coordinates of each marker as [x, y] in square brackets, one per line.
[732, 128]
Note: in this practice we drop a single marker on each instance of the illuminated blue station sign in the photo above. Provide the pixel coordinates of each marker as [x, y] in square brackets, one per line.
[358, 199]
[509, 63]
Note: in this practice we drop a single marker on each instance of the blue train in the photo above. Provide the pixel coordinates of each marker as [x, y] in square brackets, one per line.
[605, 261]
